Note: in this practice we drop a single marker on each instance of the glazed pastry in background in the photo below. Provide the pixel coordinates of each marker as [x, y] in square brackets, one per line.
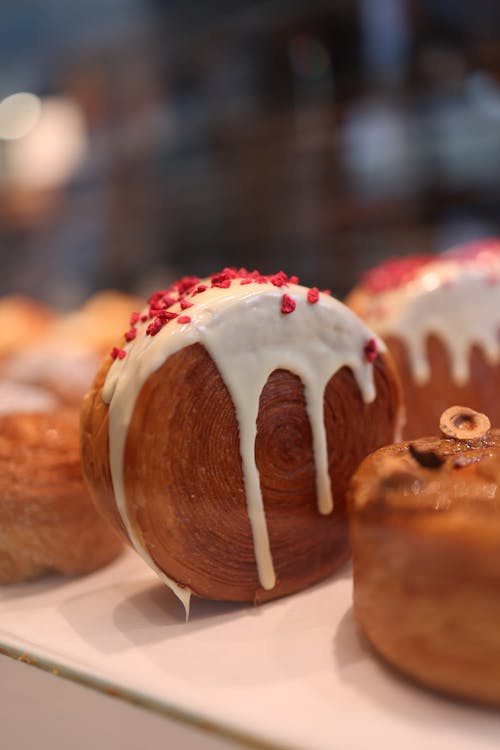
[64, 356]
[440, 319]
[47, 519]
[22, 321]
[63, 367]
[220, 435]
[96, 322]
[425, 537]
[20, 398]
[47, 363]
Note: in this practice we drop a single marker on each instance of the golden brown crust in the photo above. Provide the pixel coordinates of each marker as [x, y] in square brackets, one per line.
[425, 534]
[183, 475]
[47, 520]
[94, 446]
[425, 403]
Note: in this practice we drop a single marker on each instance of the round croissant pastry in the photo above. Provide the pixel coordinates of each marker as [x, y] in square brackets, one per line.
[220, 438]
[440, 319]
[47, 519]
[425, 536]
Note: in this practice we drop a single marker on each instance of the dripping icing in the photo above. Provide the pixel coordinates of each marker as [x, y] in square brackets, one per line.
[248, 338]
[456, 299]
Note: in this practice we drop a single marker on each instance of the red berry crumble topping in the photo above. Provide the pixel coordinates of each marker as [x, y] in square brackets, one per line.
[394, 272]
[182, 292]
[287, 304]
[313, 295]
[371, 350]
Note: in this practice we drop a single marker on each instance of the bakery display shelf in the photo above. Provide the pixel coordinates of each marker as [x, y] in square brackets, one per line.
[292, 674]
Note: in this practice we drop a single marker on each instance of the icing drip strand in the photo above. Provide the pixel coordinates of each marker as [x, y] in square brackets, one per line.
[455, 296]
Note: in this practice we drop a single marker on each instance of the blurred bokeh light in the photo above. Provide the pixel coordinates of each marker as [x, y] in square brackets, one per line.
[19, 114]
[46, 141]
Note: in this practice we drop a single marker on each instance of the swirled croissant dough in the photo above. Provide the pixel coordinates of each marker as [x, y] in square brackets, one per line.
[251, 326]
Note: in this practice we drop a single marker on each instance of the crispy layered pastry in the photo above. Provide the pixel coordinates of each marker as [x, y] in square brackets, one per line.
[47, 362]
[47, 519]
[220, 435]
[425, 535]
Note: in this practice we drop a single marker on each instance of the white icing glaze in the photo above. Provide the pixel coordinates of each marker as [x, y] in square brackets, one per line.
[455, 299]
[248, 337]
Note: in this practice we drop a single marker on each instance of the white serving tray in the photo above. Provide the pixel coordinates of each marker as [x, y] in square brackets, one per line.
[289, 674]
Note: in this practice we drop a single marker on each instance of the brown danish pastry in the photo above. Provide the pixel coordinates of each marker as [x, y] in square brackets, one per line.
[220, 437]
[47, 518]
[425, 536]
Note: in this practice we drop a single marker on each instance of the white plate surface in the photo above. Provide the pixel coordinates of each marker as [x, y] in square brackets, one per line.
[292, 673]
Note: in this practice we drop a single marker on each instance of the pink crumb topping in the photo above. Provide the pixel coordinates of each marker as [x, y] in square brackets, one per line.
[371, 350]
[183, 291]
[287, 304]
[396, 272]
[313, 295]
[482, 250]
[393, 273]
[131, 334]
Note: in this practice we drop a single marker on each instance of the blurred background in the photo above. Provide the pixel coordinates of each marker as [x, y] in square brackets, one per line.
[144, 139]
